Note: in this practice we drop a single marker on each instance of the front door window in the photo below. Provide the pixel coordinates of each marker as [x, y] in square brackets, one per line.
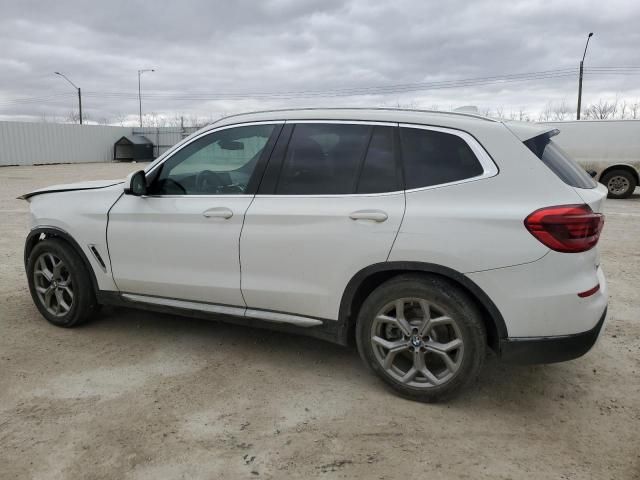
[220, 163]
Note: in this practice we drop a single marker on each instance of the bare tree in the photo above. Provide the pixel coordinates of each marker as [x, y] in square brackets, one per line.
[153, 119]
[120, 119]
[624, 109]
[634, 110]
[523, 116]
[520, 115]
[602, 110]
[74, 117]
[561, 111]
[175, 121]
[546, 114]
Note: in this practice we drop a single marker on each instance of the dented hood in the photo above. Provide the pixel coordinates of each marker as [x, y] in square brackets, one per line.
[92, 185]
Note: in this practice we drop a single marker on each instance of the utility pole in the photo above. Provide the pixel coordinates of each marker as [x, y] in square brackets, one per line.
[140, 72]
[581, 75]
[80, 105]
[79, 94]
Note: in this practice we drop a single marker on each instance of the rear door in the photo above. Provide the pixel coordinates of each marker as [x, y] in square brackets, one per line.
[330, 204]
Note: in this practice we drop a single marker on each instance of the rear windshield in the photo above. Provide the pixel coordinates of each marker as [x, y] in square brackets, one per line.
[559, 162]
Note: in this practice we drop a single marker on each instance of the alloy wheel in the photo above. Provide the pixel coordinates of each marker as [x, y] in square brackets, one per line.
[53, 284]
[417, 343]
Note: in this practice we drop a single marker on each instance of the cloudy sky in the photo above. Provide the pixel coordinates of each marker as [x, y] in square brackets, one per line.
[213, 58]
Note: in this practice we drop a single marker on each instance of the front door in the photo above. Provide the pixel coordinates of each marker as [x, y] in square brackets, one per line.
[181, 241]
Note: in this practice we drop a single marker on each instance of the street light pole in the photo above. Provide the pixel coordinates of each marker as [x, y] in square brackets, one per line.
[79, 94]
[140, 72]
[581, 75]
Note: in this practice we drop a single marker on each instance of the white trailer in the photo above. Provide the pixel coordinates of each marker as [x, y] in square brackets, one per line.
[608, 149]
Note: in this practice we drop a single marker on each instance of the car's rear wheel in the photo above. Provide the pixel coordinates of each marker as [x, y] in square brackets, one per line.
[60, 284]
[422, 335]
[620, 183]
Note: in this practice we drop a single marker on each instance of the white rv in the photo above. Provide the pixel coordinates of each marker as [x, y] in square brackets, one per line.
[608, 149]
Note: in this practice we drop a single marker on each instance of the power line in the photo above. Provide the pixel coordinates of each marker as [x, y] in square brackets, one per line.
[28, 100]
[372, 90]
[353, 91]
[560, 73]
[376, 89]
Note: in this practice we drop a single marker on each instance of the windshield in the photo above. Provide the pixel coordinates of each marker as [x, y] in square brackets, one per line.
[559, 162]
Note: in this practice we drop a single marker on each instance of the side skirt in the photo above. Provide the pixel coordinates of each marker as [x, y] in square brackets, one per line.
[313, 327]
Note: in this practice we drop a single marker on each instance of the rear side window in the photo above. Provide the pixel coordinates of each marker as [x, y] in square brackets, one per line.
[559, 162]
[433, 158]
[338, 159]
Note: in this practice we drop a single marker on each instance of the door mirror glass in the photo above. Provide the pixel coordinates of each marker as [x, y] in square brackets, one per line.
[136, 184]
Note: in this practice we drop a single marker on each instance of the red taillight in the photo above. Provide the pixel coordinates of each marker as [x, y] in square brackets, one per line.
[566, 228]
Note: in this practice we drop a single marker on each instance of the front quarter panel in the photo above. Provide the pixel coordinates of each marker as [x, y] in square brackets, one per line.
[82, 214]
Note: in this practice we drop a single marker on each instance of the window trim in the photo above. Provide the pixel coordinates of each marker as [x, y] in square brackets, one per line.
[260, 165]
[489, 168]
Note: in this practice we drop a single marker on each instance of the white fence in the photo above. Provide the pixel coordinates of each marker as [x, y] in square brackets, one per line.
[164, 138]
[23, 143]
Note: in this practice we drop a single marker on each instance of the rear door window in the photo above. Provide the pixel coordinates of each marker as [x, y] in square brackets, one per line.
[433, 157]
[379, 173]
[559, 162]
[338, 159]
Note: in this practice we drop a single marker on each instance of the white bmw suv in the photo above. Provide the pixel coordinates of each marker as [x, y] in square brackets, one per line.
[425, 238]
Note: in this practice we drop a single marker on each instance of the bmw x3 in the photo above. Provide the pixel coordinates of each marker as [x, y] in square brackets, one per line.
[424, 238]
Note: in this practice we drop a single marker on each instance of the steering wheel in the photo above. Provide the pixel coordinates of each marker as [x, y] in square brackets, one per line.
[208, 181]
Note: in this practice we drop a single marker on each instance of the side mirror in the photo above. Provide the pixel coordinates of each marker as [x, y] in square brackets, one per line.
[136, 184]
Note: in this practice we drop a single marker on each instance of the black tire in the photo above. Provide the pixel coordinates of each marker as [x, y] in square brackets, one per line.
[83, 302]
[623, 179]
[443, 296]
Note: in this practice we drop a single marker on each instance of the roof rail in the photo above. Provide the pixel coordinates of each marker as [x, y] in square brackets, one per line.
[443, 112]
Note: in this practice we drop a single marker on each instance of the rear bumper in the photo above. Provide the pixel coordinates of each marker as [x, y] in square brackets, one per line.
[528, 350]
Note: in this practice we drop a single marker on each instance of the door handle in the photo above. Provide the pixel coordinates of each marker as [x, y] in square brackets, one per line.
[375, 215]
[218, 212]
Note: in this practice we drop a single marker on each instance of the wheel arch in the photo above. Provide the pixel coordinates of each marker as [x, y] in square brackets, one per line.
[41, 233]
[621, 166]
[369, 278]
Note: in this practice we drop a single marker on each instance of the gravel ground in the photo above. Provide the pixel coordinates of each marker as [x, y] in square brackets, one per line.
[146, 396]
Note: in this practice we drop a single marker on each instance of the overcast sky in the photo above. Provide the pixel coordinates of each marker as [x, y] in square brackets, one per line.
[205, 49]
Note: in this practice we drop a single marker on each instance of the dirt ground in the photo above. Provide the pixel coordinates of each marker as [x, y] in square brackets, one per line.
[147, 396]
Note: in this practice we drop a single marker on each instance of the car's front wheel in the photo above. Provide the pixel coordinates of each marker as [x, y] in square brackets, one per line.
[60, 284]
[422, 335]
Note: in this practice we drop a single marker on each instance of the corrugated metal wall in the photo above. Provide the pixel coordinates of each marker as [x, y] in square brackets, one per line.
[24, 143]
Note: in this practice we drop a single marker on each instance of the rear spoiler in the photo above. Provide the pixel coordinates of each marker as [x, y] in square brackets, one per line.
[526, 131]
